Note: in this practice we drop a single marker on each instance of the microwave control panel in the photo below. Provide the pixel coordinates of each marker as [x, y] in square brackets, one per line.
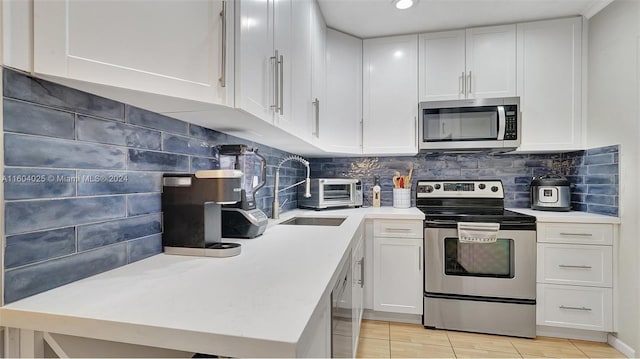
[511, 122]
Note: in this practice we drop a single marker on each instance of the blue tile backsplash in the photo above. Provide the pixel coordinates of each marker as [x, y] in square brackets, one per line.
[593, 173]
[83, 181]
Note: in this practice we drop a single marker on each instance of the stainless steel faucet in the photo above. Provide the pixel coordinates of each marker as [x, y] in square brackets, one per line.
[275, 212]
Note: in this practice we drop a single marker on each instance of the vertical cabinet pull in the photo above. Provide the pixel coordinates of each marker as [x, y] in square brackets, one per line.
[223, 61]
[281, 63]
[463, 84]
[420, 258]
[316, 127]
[362, 273]
[470, 79]
[276, 77]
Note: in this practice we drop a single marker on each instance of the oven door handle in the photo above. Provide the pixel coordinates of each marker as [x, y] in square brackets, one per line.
[439, 223]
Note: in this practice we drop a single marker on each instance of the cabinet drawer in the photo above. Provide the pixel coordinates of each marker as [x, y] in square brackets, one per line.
[575, 307]
[398, 228]
[575, 264]
[578, 233]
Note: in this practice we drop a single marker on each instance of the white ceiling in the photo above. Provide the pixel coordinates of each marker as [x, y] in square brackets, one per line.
[372, 18]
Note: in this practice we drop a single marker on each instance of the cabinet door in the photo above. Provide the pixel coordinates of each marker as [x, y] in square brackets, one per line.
[318, 69]
[442, 66]
[283, 43]
[390, 96]
[255, 84]
[357, 293]
[341, 115]
[491, 61]
[174, 49]
[550, 84]
[397, 275]
[300, 109]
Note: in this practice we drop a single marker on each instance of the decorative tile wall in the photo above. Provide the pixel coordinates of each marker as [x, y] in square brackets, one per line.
[594, 174]
[595, 177]
[82, 181]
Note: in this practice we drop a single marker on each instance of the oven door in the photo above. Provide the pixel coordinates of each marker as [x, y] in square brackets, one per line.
[503, 269]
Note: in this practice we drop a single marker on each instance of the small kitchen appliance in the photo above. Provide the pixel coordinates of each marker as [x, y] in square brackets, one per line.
[480, 259]
[331, 193]
[243, 219]
[191, 206]
[488, 123]
[550, 193]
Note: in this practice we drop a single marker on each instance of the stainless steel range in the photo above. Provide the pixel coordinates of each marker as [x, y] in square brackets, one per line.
[480, 259]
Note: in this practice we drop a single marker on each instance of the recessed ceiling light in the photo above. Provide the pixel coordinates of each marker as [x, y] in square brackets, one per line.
[403, 4]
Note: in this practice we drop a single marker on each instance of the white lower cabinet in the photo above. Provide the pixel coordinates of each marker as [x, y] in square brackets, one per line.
[357, 292]
[316, 340]
[397, 270]
[575, 276]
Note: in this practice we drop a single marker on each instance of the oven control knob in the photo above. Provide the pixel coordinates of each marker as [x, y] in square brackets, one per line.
[494, 189]
[437, 186]
[482, 186]
[428, 188]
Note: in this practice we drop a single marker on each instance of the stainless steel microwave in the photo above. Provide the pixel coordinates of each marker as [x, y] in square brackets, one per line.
[331, 193]
[489, 123]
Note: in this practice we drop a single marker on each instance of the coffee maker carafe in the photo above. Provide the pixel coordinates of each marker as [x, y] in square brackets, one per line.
[243, 219]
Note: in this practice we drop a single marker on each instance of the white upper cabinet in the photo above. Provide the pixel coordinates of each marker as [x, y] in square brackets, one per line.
[275, 43]
[491, 61]
[255, 59]
[299, 89]
[550, 84]
[318, 69]
[468, 64]
[341, 116]
[390, 95]
[442, 66]
[174, 49]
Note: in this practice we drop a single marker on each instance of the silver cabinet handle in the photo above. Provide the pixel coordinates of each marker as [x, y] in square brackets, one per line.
[463, 85]
[577, 234]
[361, 281]
[281, 63]
[576, 308]
[570, 266]
[397, 230]
[223, 62]
[362, 134]
[276, 77]
[420, 258]
[316, 105]
[470, 79]
[417, 127]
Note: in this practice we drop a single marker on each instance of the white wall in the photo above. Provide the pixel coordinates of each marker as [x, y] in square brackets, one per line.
[614, 118]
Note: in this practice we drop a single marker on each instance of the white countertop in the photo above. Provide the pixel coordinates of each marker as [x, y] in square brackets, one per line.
[253, 305]
[566, 217]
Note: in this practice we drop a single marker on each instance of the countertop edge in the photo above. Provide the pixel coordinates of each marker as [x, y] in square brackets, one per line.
[567, 217]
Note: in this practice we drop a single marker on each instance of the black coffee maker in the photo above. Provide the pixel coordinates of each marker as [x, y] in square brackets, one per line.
[243, 219]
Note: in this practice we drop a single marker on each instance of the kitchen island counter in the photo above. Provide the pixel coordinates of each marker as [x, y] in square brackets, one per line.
[256, 304]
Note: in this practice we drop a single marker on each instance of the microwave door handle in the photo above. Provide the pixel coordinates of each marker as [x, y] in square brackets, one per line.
[502, 121]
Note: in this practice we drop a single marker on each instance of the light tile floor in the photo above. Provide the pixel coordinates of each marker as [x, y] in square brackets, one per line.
[380, 339]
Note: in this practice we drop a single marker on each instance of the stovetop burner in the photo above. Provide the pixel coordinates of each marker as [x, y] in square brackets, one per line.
[446, 202]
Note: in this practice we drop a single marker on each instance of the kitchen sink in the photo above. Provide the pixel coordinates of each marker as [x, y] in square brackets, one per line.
[315, 221]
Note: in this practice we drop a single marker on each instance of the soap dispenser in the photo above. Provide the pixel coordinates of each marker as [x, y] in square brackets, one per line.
[376, 191]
